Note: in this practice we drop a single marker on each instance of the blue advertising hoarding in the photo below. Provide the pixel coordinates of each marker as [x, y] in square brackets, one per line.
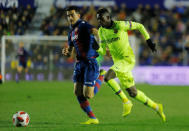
[16, 3]
[157, 75]
[129, 3]
[135, 3]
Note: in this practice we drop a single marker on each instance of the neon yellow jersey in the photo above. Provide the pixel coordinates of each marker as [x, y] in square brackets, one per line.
[116, 39]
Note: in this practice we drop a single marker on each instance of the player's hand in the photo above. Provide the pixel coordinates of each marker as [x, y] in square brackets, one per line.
[151, 45]
[65, 51]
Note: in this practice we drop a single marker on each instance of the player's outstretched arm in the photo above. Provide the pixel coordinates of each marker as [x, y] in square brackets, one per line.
[96, 45]
[146, 35]
[137, 26]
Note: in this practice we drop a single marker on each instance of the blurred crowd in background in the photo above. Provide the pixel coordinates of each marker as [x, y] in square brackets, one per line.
[169, 29]
[15, 21]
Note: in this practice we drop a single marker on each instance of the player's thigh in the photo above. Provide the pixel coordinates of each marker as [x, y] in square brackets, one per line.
[78, 89]
[91, 73]
[78, 75]
[126, 79]
[24, 65]
[123, 66]
[25, 68]
[88, 91]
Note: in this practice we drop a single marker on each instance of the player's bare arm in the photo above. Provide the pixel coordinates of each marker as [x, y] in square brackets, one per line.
[95, 33]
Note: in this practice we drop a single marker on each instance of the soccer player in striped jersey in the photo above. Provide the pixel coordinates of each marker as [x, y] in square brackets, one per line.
[22, 55]
[113, 34]
[87, 79]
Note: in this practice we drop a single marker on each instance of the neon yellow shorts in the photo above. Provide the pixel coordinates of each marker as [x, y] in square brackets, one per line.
[123, 69]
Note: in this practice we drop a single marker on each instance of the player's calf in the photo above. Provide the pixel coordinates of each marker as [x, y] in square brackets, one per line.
[140, 96]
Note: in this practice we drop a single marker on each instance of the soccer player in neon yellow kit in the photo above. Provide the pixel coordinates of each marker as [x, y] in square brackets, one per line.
[113, 34]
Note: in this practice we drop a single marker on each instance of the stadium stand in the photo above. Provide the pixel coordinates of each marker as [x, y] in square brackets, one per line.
[168, 28]
[15, 21]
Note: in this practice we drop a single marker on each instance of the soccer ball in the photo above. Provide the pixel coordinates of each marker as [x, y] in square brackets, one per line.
[21, 118]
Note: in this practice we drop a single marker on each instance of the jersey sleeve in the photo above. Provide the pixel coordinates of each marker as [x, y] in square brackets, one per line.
[130, 25]
[102, 44]
[87, 27]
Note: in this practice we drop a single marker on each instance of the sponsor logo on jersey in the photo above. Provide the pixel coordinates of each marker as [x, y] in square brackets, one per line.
[89, 83]
[111, 40]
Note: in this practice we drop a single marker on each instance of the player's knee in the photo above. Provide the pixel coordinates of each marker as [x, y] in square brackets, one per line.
[88, 92]
[132, 91]
[88, 96]
[109, 75]
[78, 93]
[106, 78]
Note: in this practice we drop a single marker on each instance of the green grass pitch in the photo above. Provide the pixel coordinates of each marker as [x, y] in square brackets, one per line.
[52, 106]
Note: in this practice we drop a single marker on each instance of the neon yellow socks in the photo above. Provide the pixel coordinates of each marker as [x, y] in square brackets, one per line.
[116, 88]
[146, 100]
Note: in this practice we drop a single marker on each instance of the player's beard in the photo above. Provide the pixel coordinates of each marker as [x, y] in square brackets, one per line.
[108, 25]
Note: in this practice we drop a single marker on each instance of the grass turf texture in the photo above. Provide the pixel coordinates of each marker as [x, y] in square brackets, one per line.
[52, 106]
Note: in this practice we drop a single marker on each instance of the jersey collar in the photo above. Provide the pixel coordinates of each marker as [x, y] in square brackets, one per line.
[78, 21]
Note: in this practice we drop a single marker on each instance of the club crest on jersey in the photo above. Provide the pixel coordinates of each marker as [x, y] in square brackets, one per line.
[74, 34]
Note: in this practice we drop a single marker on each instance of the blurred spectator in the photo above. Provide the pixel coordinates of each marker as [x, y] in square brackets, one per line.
[122, 12]
[14, 21]
[166, 27]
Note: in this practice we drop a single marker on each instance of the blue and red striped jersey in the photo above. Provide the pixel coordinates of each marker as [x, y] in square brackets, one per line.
[82, 39]
[22, 54]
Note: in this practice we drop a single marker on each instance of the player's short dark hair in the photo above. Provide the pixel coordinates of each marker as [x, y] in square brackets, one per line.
[73, 8]
[102, 11]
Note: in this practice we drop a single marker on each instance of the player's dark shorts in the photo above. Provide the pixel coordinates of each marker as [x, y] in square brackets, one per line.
[23, 64]
[86, 72]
